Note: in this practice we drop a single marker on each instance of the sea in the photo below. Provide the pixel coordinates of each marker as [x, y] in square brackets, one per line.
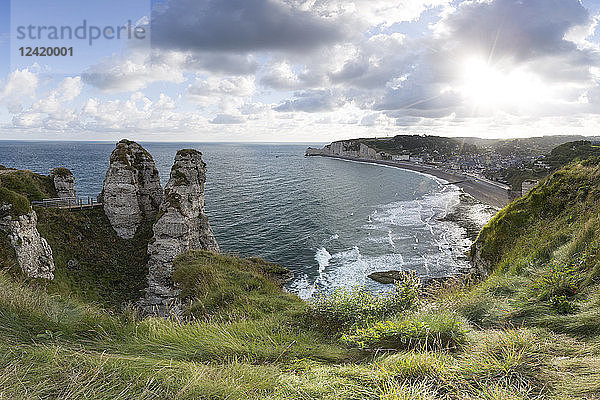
[331, 222]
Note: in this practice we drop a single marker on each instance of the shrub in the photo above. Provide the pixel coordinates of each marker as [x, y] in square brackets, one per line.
[344, 308]
[558, 286]
[428, 331]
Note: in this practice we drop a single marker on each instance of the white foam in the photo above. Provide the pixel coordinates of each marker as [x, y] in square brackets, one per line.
[322, 257]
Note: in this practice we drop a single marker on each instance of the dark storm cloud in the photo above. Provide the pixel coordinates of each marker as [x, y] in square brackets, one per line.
[240, 26]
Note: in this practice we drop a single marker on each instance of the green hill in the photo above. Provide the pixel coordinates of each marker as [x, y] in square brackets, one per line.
[529, 329]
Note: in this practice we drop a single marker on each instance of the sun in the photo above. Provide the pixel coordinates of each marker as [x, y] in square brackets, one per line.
[493, 87]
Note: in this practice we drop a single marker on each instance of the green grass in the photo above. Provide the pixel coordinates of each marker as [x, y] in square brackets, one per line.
[28, 184]
[91, 261]
[529, 330]
[17, 204]
[232, 288]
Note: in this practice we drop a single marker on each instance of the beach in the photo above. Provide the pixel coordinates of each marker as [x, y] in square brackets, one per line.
[483, 190]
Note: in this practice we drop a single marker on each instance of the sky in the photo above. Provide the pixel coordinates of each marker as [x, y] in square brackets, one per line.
[301, 70]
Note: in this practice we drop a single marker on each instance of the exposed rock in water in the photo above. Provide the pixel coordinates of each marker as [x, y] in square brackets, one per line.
[132, 192]
[64, 182]
[181, 226]
[390, 277]
[33, 251]
[386, 277]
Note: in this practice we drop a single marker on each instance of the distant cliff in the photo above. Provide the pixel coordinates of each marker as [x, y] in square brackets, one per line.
[348, 148]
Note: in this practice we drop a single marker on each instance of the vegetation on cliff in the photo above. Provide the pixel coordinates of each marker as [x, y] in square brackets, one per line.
[530, 330]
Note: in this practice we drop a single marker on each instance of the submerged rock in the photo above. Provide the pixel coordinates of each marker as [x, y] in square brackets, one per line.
[132, 192]
[64, 182]
[181, 226]
[33, 252]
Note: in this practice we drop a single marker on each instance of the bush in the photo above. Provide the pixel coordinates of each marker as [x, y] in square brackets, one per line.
[558, 286]
[428, 331]
[344, 308]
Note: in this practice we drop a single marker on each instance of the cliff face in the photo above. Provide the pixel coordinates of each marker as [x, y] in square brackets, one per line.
[346, 148]
[33, 252]
[64, 182]
[181, 226]
[132, 192]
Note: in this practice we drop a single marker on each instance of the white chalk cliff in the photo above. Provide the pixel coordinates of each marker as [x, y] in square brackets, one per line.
[33, 252]
[181, 226]
[132, 192]
[64, 182]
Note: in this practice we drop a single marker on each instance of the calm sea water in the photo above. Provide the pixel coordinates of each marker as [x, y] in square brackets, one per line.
[332, 222]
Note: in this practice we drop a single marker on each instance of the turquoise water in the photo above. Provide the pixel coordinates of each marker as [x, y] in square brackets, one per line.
[332, 222]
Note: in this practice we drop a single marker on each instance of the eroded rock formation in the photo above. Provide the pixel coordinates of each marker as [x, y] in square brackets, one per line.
[132, 192]
[64, 182]
[181, 226]
[33, 252]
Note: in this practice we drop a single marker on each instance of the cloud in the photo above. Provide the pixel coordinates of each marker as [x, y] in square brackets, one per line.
[135, 71]
[312, 101]
[525, 41]
[20, 86]
[240, 26]
[228, 93]
[226, 119]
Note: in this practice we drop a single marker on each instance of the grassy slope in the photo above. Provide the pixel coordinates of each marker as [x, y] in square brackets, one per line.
[532, 328]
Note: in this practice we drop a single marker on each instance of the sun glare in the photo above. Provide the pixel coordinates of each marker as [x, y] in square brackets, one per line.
[487, 86]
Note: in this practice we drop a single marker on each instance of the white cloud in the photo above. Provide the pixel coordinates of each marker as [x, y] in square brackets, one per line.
[20, 86]
[135, 71]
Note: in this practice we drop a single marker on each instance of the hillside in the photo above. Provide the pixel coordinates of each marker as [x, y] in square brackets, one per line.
[529, 330]
[554, 159]
[416, 144]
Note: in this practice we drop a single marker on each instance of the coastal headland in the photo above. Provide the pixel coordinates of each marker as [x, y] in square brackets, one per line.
[488, 192]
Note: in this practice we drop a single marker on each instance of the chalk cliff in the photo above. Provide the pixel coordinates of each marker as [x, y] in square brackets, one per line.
[33, 252]
[181, 226]
[132, 192]
[346, 148]
[64, 182]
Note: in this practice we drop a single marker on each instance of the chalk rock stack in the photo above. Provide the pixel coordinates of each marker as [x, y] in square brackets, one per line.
[64, 182]
[132, 192]
[181, 226]
[33, 252]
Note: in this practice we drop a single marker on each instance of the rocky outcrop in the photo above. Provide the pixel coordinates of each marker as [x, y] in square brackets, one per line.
[33, 252]
[132, 192]
[64, 182]
[482, 266]
[181, 226]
